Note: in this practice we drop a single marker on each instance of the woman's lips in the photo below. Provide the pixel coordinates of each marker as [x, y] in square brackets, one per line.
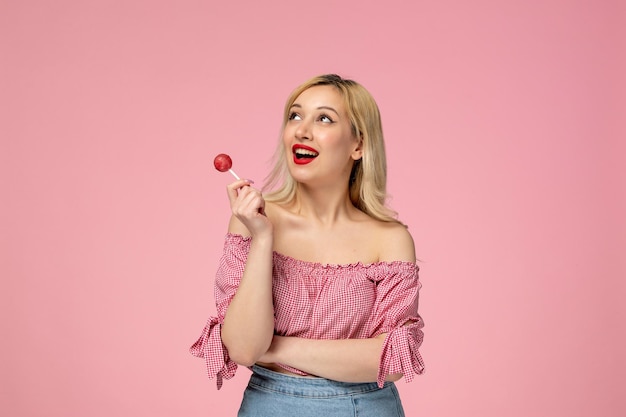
[303, 154]
[301, 161]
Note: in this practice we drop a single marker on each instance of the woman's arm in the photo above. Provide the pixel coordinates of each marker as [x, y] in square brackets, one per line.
[346, 360]
[249, 321]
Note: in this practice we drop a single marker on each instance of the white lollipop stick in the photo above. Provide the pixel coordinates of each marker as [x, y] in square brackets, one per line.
[234, 175]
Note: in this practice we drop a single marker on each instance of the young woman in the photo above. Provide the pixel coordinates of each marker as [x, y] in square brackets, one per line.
[317, 288]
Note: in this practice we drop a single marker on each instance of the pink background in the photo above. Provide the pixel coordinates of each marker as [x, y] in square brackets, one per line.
[506, 140]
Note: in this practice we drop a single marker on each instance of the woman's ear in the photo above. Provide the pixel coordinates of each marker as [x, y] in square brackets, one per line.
[358, 151]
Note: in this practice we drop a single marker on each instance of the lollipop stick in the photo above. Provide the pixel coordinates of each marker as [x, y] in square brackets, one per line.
[234, 175]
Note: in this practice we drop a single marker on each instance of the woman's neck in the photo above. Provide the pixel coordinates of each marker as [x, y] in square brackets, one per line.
[323, 206]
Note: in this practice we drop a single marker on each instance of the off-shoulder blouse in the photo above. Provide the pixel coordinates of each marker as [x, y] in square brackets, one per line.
[325, 301]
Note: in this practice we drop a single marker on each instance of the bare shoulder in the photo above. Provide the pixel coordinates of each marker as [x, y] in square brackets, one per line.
[396, 243]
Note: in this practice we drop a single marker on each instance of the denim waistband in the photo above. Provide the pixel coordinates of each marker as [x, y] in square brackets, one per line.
[268, 380]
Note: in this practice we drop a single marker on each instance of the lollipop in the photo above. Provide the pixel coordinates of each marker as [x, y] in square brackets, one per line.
[223, 163]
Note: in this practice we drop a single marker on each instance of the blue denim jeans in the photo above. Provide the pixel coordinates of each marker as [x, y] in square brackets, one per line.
[272, 394]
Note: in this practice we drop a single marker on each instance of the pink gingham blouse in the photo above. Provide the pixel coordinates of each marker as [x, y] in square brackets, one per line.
[319, 301]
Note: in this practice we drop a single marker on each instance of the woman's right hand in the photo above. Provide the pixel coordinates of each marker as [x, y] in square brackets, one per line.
[248, 206]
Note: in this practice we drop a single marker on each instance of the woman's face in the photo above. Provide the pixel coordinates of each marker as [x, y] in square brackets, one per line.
[318, 138]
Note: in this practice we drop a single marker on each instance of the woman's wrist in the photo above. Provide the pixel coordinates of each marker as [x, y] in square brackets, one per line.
[265, 239]
[273, 354]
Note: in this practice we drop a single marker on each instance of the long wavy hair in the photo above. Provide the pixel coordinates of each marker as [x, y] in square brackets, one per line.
[367, 186]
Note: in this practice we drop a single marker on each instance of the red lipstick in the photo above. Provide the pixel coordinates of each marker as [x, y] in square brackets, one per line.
[303, 154]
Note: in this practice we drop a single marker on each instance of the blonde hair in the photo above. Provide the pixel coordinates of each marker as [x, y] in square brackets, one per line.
[367, 186]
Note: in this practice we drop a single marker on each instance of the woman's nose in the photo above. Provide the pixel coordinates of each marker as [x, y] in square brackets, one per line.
[303, 131]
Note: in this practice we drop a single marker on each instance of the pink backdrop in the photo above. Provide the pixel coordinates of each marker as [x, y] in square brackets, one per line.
[506, 142]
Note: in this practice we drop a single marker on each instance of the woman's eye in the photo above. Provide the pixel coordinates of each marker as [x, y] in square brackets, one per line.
[325, 119]
[294, 116]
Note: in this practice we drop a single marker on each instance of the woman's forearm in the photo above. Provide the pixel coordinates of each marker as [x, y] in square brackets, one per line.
[249, 321]
[347, 360]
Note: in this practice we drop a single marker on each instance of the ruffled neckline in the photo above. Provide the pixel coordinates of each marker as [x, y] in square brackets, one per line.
[288, 260]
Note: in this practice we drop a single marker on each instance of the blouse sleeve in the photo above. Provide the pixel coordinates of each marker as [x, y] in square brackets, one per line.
[209, 346]
[397, 294]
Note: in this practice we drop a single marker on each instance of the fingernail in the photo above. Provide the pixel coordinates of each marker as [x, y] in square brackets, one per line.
[250, 181]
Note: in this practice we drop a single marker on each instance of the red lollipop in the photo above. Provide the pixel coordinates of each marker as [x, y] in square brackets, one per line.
[223, 163]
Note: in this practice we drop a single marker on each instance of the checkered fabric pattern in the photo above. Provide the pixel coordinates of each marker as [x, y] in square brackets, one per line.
[319, 301]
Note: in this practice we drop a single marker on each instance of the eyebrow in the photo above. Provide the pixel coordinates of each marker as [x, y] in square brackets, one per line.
[319, 108]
